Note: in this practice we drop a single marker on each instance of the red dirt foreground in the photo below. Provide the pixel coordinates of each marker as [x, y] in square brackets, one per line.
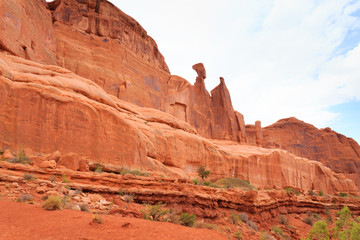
[25, 221]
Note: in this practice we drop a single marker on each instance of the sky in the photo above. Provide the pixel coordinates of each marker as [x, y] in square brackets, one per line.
[279, 58]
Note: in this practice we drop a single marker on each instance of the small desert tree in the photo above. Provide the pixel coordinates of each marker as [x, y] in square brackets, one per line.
[319, 231]
[203, 173]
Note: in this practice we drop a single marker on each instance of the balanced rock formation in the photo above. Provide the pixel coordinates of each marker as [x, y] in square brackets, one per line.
[339, 153]
[212, 115]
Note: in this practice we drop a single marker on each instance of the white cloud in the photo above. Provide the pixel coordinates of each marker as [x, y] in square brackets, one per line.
[279, 58]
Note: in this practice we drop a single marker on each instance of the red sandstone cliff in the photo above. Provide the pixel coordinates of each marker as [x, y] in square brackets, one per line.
[48, 108]
[340, 153]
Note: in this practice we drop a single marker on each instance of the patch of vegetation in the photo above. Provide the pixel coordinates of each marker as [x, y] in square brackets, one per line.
[203, 173]
[317, 216]
[98, 168]
[209, 184]
[311, 193]
[234, 218]
[266, 236]
[195, 181]
[290, 190]
[53, 203]
[238, 235]
[52, 178]
[235, 183]
[65, 179]
[128, 197]
[155, 212]
[25, 198]
[342, 194]
[205, 225]
[172, 216]
[283, 219]
[97, 219]
[346, 228]
[84, 208]
[187, 219]
[278, 231]
[321, 193]
[319, 231]
[29, 177]
[20, 158]
[253, 225]
[244, 217]
[308, 220]
[135, 172]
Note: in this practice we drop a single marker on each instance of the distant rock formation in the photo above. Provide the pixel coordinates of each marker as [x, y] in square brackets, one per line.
[213, 116]
[334, 150]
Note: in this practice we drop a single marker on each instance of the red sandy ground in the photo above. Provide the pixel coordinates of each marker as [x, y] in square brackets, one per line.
[25, 221]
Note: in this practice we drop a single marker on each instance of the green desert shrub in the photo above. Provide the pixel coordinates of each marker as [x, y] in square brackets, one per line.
[20, 158]
[97, 219]
[53, 203]
[135, 172]
[234, 218]
[187, 219]
[235, 183]
[98, 168]
[319, 231]
[238, 235]
[154, 212]
[290, 190]
[205, 225]
[65, 179]
[278, 231]
[29, 177]
[342, 194]
[203, 173]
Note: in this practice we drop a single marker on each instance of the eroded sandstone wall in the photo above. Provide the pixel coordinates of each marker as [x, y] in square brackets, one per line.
[26, 30]
[334, 150]
[48, 108]
[98, 41]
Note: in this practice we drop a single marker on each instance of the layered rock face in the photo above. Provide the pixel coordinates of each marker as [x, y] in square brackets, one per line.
[26, 30]
[48, 108]
[334, 150]
[98, 41]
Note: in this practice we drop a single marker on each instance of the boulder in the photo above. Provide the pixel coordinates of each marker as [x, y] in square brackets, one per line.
[48, 164]
[7, 154]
